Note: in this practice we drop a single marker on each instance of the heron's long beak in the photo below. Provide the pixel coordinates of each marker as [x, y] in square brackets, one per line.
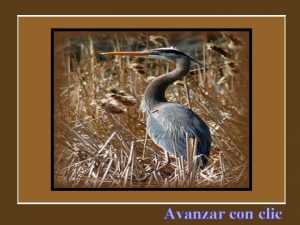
[141, 53]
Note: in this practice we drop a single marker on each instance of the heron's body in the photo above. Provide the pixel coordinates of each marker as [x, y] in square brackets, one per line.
[169, 123]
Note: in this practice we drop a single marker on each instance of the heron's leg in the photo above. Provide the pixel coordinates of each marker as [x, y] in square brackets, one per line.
[167, 158]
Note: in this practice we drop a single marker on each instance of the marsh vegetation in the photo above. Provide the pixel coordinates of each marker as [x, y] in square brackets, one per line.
[100, 139]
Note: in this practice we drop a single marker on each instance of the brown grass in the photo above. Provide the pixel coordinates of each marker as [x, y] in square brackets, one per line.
[100, 137]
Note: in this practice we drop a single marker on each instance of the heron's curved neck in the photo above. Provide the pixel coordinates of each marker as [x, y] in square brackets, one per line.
[155, 92]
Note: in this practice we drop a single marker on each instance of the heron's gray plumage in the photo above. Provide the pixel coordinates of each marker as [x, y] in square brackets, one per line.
[168, 125]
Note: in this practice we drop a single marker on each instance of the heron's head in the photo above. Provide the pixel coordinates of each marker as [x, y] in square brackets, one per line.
[157, 53]
[169, 54]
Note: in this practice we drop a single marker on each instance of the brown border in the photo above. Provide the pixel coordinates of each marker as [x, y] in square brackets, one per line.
[35, 112]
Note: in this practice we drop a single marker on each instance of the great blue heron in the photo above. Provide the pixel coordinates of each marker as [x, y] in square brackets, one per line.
[170, 124]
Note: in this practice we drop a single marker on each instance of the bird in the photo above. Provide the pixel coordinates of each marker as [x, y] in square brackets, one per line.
[169, 124]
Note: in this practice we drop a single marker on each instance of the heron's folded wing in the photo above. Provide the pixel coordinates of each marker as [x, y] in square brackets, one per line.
[174, 121]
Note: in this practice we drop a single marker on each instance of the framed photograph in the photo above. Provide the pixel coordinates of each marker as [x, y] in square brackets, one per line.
[127, 101]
